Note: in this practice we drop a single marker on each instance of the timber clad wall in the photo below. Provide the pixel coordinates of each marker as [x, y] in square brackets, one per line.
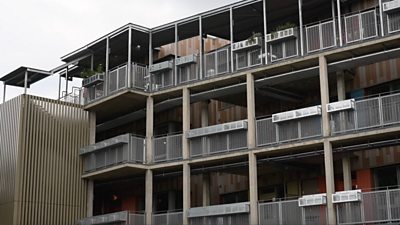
[48, 186]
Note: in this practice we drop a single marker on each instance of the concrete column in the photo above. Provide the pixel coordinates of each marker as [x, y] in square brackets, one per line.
[206, 189]
[253, 189]
[185, 122]
[251, 114]
[149, 129]
[149, 197]
[328, 156]
[90, 184]
[186, 192]
[346, 164]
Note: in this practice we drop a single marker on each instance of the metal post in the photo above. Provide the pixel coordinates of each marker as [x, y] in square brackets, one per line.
[59, 87]
[339, 23]
[334, 19]
[231, 34]
[129, 64]
[176, 55]
[66, 82]
[25, 82]
[301, 27]
[4, 91]
[201, 47]
[265, 30]
[107, 65]
[150, 61]
[381, 18]
[92, 62]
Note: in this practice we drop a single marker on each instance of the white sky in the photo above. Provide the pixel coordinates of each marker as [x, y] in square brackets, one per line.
[36, 33]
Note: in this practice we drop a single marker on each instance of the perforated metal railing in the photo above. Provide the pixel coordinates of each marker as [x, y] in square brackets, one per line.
[218, 143]
[216, 62]
[112, 152]
[393, 21]
[374, 207]
[248, 59]
[117, 79]
[121, 218]
[368, 113]
[75, 96]
[288, 213]
[234, 219]
[139, 74]
[188, 72]
[170, 218]
[167, 148]
[161, 80]
[320, 36]
[360, 26]
[292, 130]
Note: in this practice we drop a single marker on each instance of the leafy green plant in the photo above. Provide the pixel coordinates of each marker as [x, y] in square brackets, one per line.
[86, 73]
[253, 37]
[282, 27]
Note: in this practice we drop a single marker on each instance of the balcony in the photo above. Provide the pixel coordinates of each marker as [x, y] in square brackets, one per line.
[218, 139]
[377, 112]
[169, 218]
[372, 207]
[167, 148]
[123, 218]
[97, 86]
[289, 126]
[119, 150]
[229, 214]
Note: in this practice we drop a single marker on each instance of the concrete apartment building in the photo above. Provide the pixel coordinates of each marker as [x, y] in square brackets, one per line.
[259, 112]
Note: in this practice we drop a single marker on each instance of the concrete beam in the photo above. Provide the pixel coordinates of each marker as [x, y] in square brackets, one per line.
[149, 197]
[253, 189]
[251, 114]
[149, 129]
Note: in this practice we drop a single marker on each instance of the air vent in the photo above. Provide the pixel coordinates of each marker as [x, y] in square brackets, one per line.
[296, 114]
[220, 128]
[347, 196]
[340, 106]
[281, 35]
[247, 44]
[93, 80]
[312, 200]
[119, 140]
[216, 210]
[162, 66]
[189, 59]
[391, 6]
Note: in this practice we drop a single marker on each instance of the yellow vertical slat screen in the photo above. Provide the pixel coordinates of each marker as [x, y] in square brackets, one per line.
[49, 188]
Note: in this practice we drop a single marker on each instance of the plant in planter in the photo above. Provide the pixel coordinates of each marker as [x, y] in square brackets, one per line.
[89, 72]
[282, 27]
[253, 37]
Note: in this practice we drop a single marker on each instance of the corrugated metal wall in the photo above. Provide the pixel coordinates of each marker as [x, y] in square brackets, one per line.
[10, 113]
[49, 188]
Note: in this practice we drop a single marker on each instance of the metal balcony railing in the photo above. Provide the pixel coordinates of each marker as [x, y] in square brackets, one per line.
[360, 26]
[216, 63]
[170, 218]
[272, 133]
[320, 36]
[228, 214]
[218, 143]
[114, 151]
[122, 218]
[167, 148]
[368, 113]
